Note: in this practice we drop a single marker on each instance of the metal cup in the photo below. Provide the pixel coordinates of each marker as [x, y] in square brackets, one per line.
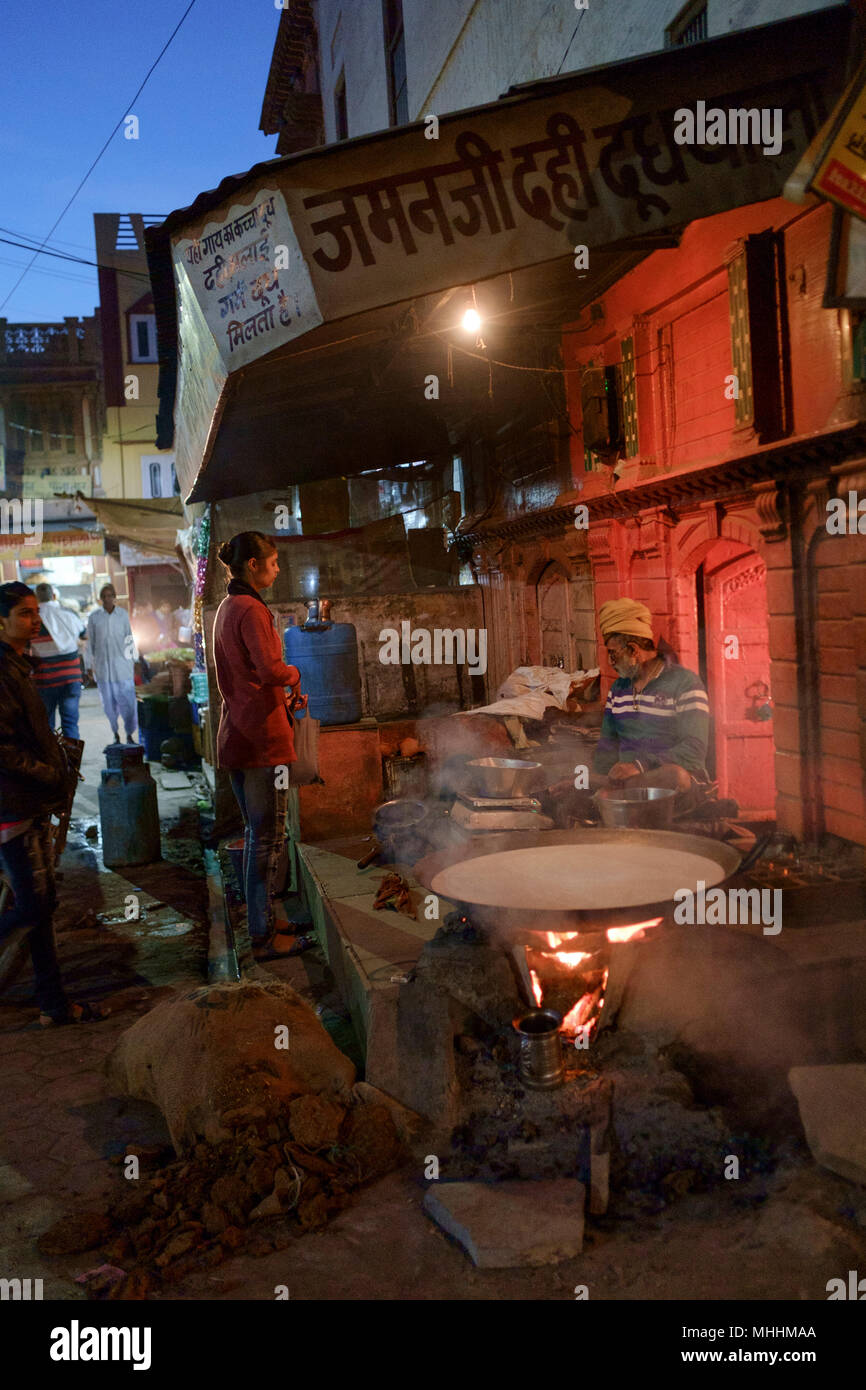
[540, 1048]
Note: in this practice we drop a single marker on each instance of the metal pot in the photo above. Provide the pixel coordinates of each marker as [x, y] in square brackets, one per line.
[503, 777]
[636, 808]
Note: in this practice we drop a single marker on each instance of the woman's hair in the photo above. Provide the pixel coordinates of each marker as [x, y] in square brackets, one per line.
[11, 595]
[246, 545]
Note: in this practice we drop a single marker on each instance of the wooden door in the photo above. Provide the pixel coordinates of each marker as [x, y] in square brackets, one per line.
[738, 662]
[553, 617]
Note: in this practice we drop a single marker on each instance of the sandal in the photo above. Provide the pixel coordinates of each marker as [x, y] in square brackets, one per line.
[78, 1013]
[272, 947]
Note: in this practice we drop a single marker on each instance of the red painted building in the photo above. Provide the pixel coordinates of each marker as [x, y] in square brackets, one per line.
[740, 403]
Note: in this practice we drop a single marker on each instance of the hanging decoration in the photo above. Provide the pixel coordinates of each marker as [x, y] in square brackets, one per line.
[201, 549]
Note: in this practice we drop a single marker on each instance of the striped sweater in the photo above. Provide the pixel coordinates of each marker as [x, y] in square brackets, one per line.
[54, 668]
[666, 722]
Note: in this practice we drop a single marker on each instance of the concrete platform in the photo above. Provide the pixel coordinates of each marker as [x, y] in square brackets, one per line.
[369, 951]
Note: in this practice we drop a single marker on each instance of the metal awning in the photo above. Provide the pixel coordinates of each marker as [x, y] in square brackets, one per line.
[319, 293]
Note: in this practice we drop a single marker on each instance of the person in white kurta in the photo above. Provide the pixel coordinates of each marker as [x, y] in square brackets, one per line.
[111, 655]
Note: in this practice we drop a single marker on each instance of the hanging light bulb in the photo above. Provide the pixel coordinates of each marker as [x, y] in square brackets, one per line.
[471, 321]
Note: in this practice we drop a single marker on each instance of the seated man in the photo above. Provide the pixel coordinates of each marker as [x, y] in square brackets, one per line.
[656, 720]
[657, 717]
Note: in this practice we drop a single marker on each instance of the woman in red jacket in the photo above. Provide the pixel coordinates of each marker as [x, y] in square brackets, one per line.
[255, 743]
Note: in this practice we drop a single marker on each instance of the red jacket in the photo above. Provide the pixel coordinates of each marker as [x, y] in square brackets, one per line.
[254, 726]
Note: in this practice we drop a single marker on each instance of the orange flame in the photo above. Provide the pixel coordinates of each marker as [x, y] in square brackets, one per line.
[629, 933]
[536, 987]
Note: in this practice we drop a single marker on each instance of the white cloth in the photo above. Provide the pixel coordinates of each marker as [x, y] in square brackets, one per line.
[63, 626]
[111, 650]
[529, 691]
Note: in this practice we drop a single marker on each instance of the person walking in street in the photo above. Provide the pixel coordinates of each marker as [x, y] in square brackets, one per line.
[111, 655]
[255, 742]
[34, 783]
[58, 673]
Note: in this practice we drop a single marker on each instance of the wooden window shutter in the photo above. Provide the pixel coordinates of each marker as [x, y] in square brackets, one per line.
[628, 396]
[759, 339]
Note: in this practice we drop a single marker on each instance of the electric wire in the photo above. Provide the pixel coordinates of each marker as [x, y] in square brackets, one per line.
[114, 131]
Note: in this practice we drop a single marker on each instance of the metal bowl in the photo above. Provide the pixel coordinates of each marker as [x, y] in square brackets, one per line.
[503, 777]
[397, 817]
[636, 808]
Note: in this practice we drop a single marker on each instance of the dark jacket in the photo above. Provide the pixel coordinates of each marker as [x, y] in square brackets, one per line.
[33, 768]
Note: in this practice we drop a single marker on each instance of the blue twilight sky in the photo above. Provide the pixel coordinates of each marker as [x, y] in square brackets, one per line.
[68, 72]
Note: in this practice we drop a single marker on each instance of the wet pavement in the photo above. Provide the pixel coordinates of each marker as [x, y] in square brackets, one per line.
[60, 1125]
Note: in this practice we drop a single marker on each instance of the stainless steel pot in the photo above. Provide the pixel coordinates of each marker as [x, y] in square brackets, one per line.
[503, 777]
[636, 808]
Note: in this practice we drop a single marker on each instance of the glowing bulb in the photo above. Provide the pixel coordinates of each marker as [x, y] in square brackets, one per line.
[472, 321]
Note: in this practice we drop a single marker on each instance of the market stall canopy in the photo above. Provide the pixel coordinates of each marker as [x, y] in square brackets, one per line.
[303, 306]
[151, 524]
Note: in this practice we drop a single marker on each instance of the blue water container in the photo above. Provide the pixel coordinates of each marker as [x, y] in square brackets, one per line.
[327, 658]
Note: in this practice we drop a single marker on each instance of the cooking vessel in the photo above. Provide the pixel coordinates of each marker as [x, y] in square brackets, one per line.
[503, 777]
[501, 912]
[636, 808]
[398, 817]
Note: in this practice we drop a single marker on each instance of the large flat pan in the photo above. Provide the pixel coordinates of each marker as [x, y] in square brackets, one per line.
[574, 880]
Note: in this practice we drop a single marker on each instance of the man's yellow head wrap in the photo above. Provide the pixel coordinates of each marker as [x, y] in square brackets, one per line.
[625, 615]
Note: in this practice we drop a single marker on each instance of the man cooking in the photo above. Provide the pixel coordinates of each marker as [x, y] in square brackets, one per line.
[656, 720]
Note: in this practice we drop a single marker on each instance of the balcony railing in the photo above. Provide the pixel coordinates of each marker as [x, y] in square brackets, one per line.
[25, 344]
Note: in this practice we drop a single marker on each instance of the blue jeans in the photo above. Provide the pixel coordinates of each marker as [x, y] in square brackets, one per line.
[64, 697]
[263, 808]
[28, 862]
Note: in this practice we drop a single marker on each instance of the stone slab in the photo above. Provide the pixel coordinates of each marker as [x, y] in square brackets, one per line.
[511, 1224]
[832, 1103]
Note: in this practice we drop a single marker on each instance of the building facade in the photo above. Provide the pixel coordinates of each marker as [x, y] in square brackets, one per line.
[132, 465]
[342, 68]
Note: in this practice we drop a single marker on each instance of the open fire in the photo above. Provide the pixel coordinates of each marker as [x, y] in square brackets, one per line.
[556, 974]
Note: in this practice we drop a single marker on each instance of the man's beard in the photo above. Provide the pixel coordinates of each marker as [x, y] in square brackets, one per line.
[630, 670]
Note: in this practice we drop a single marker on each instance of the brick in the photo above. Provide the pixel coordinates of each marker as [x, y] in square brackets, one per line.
[789, 815]
[838, 716]
[837, 661]
[833, 634]
[846, 827]
[858, 634]
[783, 638]
[784, 682]
[843, 797]
[786, 729]
[849, 773]
[842, 688]
[780, 592]
[834, 605]
[788, 774]
[838, 744]
[831, 580]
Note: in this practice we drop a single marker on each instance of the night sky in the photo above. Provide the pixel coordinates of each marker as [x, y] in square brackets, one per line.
[69, 74]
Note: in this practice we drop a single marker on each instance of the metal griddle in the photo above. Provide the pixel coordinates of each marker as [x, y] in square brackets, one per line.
[504, 918]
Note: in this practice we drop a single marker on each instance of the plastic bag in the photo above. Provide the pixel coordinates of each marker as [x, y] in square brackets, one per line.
[305, 770]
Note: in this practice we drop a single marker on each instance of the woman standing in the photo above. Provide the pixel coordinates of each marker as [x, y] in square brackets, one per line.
[255, 740]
